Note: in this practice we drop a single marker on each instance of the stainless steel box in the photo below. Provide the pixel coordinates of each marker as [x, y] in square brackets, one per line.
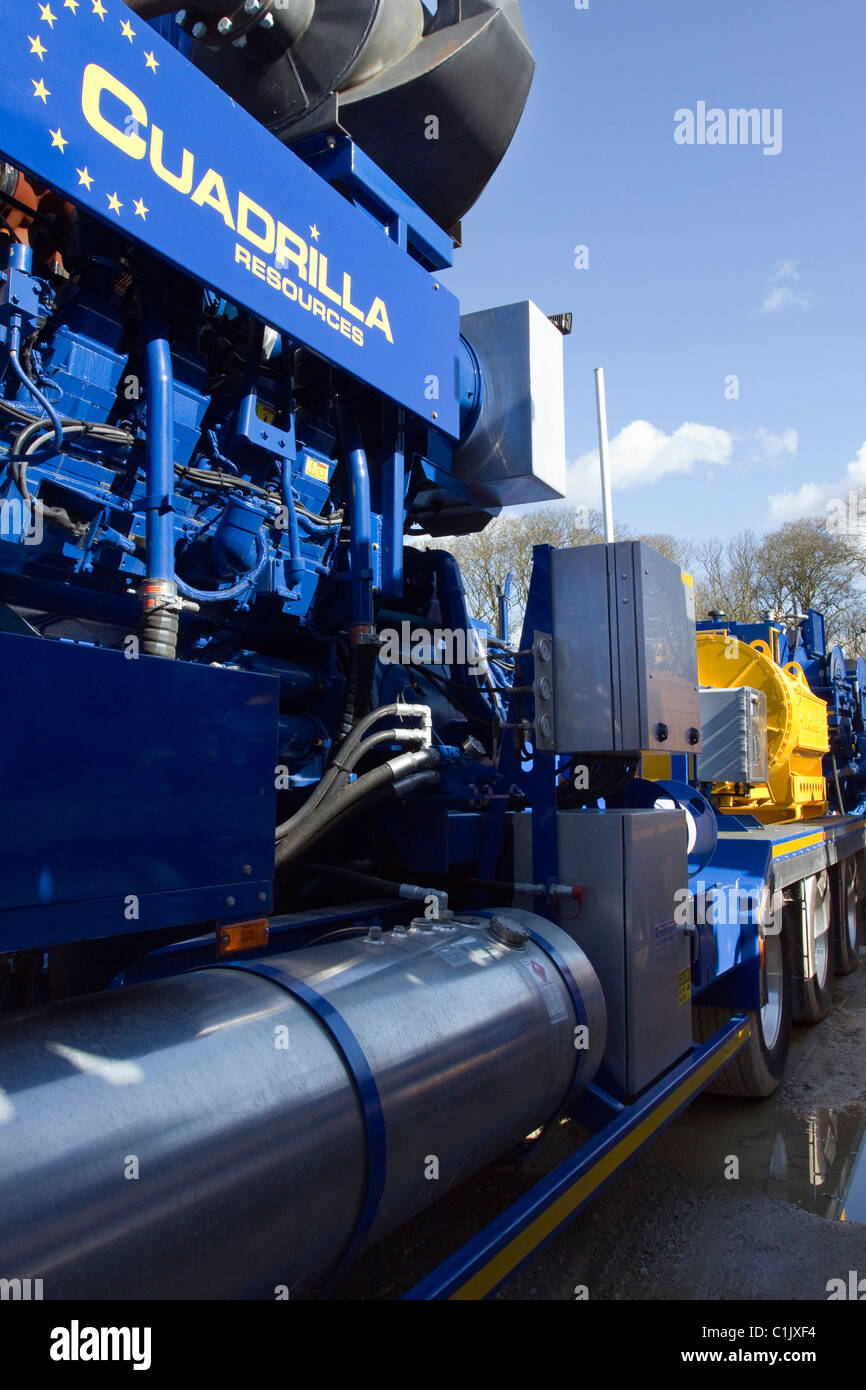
[734, 724]
[625, 663]
[633, 865]
[516, 453]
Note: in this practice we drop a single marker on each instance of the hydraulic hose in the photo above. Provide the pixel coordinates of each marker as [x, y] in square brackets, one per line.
[346, 751]
[384, 779]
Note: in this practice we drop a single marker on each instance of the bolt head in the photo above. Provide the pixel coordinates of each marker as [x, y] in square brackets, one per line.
[199, 30]
[225, 25]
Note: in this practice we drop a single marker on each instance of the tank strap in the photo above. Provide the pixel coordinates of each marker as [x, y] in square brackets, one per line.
[365, 1084]
[577, 1001]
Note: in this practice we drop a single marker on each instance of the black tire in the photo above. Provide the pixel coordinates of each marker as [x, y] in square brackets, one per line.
[847, 915]
[811, 942]
[760, 1064]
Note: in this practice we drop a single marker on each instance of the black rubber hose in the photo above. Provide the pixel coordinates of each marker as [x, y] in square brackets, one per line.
[359, 691]
[325, 816]
[159, 633]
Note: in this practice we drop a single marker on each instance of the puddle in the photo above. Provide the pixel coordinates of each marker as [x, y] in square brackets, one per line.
[817, 1162]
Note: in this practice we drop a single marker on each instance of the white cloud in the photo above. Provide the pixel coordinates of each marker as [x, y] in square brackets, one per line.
[783, 297]
[642, 454]
[771, 447]
[785, 270]
[779, 295]
[812, 498]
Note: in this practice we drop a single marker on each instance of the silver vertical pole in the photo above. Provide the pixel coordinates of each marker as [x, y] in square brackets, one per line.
[606, 503]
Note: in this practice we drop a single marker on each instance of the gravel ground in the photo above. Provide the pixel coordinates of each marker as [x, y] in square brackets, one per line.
[672, 1226]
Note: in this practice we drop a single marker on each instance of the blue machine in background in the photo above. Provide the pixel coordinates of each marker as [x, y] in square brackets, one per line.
[841, 684]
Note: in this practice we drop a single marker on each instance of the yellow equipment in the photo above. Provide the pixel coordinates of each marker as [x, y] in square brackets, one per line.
[796, 730]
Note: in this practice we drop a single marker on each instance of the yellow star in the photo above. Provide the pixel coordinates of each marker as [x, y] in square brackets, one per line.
[150, 61]
[98, 9]
[314, 233]
[45, 13]
[70, 5]
[40, 90]
[113, 204]
[127, 30]
[36, 47]
[140, 210]
[84, 177]
[58, 139]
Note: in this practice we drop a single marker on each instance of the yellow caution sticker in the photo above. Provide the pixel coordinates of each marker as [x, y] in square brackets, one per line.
[684, 985]
[265, 413]
[314, 469]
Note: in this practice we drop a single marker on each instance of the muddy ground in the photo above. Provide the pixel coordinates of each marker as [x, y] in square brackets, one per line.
[673, 1225]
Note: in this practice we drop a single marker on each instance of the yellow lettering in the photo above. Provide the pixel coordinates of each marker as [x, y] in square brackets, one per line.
[324, 287]
[242, 255]
[212, 184]
[96, 81]
[182, 181]
[291, 248]
[265, 240]
[378, 318]
[347, 299]
[318, 309]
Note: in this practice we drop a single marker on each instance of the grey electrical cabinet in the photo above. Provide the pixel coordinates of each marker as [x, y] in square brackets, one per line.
[624, 668]
[633, 865]
[734, 724]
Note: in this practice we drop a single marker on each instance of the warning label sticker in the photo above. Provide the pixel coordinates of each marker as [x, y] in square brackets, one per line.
[684, 986]
[550, 993]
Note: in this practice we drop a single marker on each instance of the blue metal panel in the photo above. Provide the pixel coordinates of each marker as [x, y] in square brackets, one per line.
[147, 778]
[108, 113]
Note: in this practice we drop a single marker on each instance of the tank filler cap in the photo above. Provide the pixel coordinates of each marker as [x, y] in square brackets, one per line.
[511, 934]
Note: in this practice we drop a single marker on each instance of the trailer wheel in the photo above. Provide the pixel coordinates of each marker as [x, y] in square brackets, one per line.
[811, 931]
[760, 1064]
[847, 912]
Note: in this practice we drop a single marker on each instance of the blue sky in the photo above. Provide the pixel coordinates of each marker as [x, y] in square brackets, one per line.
[705, 261]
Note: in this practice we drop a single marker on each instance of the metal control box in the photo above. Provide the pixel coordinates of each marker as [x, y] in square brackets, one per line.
[516, 452]
[734, 725]
[633, 865]
[624, 670]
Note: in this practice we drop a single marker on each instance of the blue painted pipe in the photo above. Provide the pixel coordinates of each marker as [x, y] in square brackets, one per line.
[294, 568]
[361, 539]
[159, 454]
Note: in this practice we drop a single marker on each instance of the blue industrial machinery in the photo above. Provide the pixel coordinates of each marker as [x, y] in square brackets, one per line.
[838, 683]
[310, 875]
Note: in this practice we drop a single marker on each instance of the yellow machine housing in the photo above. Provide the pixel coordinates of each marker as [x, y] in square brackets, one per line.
[796, 730]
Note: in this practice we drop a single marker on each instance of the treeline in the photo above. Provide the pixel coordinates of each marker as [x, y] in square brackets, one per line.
[785, 571]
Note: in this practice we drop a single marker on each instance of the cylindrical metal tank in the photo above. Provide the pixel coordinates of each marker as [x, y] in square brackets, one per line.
[204, 1136]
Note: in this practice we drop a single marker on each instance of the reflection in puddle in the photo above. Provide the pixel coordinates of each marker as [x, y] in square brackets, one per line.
[817, 1161]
